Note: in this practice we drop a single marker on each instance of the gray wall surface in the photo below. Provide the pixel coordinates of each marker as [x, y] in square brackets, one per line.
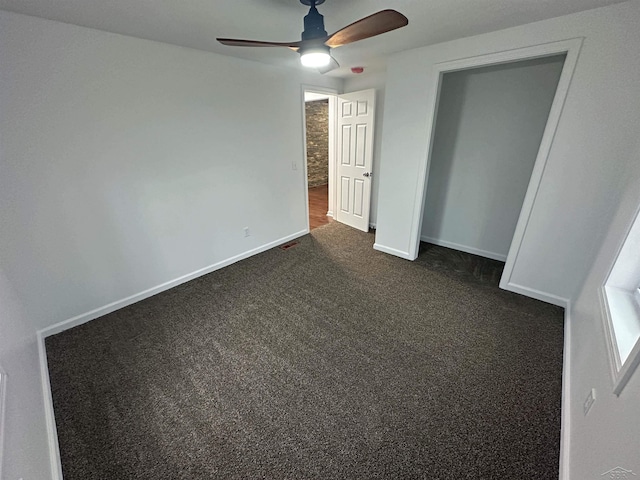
[488, 130]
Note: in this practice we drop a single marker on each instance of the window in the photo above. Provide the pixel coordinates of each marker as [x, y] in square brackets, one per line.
[620, 297]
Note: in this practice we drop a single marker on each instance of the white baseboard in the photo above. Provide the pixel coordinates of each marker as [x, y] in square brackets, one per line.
[393, 251]
[52, 432]
[54, 449]
[118, 304]
[537, 294]
[565, 429]
[464, 248]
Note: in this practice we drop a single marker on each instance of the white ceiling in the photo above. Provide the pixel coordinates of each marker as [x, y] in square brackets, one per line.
[197, 23]
[312, 96]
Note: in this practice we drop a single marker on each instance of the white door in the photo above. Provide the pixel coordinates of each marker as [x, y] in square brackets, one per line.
[355, 158]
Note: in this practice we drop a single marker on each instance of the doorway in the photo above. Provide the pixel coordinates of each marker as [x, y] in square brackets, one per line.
[317, 132]
[489, 125]
[350, 157]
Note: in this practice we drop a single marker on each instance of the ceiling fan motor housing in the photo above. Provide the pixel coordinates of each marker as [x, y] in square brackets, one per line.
[314, 25]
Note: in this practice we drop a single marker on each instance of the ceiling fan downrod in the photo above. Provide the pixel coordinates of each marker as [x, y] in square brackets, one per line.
[313, 22]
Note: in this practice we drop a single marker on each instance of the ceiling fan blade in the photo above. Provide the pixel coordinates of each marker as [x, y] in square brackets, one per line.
[381, 22]
[234, 42]
[333, 64]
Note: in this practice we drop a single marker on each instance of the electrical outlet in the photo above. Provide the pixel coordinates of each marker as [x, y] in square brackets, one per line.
[588, 403]
[246, 232]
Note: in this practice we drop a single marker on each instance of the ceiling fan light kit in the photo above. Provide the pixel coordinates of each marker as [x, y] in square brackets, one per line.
[315, 46]
[315, 57]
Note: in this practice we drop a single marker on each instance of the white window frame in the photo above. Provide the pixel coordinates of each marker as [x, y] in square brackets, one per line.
[620, 300]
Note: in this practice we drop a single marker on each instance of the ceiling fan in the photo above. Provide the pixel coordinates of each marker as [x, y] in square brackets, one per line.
[315, 46]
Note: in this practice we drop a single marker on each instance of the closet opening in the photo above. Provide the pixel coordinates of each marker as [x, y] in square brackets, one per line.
[489, 125]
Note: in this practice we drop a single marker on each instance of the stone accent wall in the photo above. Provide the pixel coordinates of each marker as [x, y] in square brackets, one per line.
[317, 142]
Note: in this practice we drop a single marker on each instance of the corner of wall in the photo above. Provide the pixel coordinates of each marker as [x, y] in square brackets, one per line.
[52, 432]
[565, 428]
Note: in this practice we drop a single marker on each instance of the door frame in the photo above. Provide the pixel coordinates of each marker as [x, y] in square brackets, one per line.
[333, 105]
[571, 48]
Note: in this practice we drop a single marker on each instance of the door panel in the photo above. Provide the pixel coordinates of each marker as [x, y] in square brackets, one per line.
[361, 149]
[346, 109]
[358, 198]
[355, 141]
[344, 195]
[345, 158]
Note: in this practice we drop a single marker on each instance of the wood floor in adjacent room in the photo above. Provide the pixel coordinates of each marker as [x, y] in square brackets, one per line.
[318, 206]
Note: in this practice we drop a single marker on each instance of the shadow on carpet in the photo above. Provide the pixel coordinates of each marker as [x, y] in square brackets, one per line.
[325, 361]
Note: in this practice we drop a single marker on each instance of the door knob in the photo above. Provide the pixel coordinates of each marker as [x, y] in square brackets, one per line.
[367, 174]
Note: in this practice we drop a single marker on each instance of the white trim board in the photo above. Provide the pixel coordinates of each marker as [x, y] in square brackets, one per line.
[54, 449]
[392, 251]
[537, 294]
[118, 304]
[52, 432]
[571, 48]
[565, 426]
[464, 248]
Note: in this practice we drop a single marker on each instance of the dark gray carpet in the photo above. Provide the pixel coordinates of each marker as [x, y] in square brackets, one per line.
[325, 361]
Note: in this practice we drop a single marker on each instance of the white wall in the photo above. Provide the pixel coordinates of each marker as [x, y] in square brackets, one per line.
[125, 164]
[597, 128]
[364, 82]
[26, 453]
[608, 436]
[488, 129]
[590, 189]
[128, 163]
